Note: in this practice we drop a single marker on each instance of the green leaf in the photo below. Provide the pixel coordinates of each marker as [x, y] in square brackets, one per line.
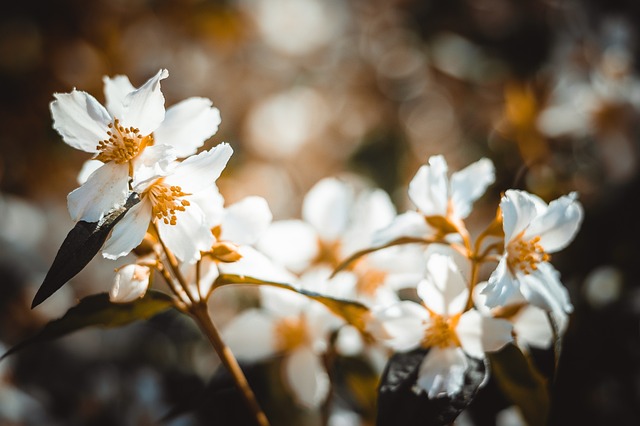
[354, 313]
[98, 310]
[521, 384]
[78, 248]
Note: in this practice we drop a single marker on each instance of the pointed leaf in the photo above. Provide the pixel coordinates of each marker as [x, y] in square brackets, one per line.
[98, 310]
[78, 248]
[354, 313]
[521, 383]
[399, 404]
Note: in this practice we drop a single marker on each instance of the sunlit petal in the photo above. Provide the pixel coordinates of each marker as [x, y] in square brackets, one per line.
[80, 119]
[558, 225]
[129, 232]
[144, 107]
[116, 90]
[189, 236]
[429, 190]
[469, 184]
[479, 334]
[443, 290]
[246, 220]
[307, 377]
[199, 172]
[442, 372]
[251, 335]
[326, 207]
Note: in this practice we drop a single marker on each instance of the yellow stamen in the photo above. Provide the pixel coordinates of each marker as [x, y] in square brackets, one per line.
[525, 255]
[123, 144]
[370, 281]
[166, 202]
[441, 332]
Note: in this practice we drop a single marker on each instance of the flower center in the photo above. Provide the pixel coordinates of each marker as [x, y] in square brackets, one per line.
[370, 281]
[166, 201]
[441, 332]
[123, 144]
[525, 255]
[291, 333]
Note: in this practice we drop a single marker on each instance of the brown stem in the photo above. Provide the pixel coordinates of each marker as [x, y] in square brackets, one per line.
[201, 317]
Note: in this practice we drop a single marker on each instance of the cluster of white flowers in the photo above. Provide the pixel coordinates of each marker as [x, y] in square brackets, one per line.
[350, 244]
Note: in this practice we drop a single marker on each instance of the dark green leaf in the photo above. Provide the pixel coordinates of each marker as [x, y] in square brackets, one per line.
[354, 313]
[97, 310]
[399, 404]
[521, 383]
[78, 248]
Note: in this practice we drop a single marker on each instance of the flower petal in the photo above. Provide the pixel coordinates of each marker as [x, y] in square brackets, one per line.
[105, 189]
[251, 335]
[144, 107]
[187, 125]
[326, 207]
[400, 326]
[429, 190]
[246, 220]
[291, 243]
[189, 236]
[442, 371]
[532, 328]
[257, 265]
[502, 288]
[558, 225]
[542, 288]
[200, 171]
[443, 290]
[131, 283]
[80, 119]
[519, 208]
[409, 224]
[129, 232]
[469, 184]
[479, 334]
[307, 377]
[88, 167]
[116, 90]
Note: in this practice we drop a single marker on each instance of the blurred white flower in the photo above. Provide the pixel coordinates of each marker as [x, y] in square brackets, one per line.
[532, 230]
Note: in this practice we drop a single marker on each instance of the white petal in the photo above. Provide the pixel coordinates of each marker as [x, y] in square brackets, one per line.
[442, 372]
[479, 334]
[307, 377]
[542, 288]
[105, 189]
[257, 265]
[429, 190]
[189, 236]
[469, 184]
[558, 225]
[251, 335]
[532, 328]
[187, 125]
[131, 283]
[88, 167]
[129, 232]
[246, 220]
[116, 90]
[200, 172]
[80, 119]
[326, 207]
[291, 243]
[502, 288]
[409, 224]
[374, 211]
[443, 290]
[144, 107]
[400, 326]
[153, 162]
[519, 208]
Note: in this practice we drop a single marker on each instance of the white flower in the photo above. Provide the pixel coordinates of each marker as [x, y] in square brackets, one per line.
[532, 230]
[441, 324]
[131, 133]
[292, 325]
[437, 196]
[168, 201]
[131, 282]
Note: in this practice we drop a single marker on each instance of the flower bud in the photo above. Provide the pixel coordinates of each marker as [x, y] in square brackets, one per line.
[131, 283]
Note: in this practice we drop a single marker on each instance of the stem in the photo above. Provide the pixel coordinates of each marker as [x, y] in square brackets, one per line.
[201, 316]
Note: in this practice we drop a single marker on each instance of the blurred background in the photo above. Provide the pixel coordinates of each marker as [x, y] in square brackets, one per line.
[548, 90]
